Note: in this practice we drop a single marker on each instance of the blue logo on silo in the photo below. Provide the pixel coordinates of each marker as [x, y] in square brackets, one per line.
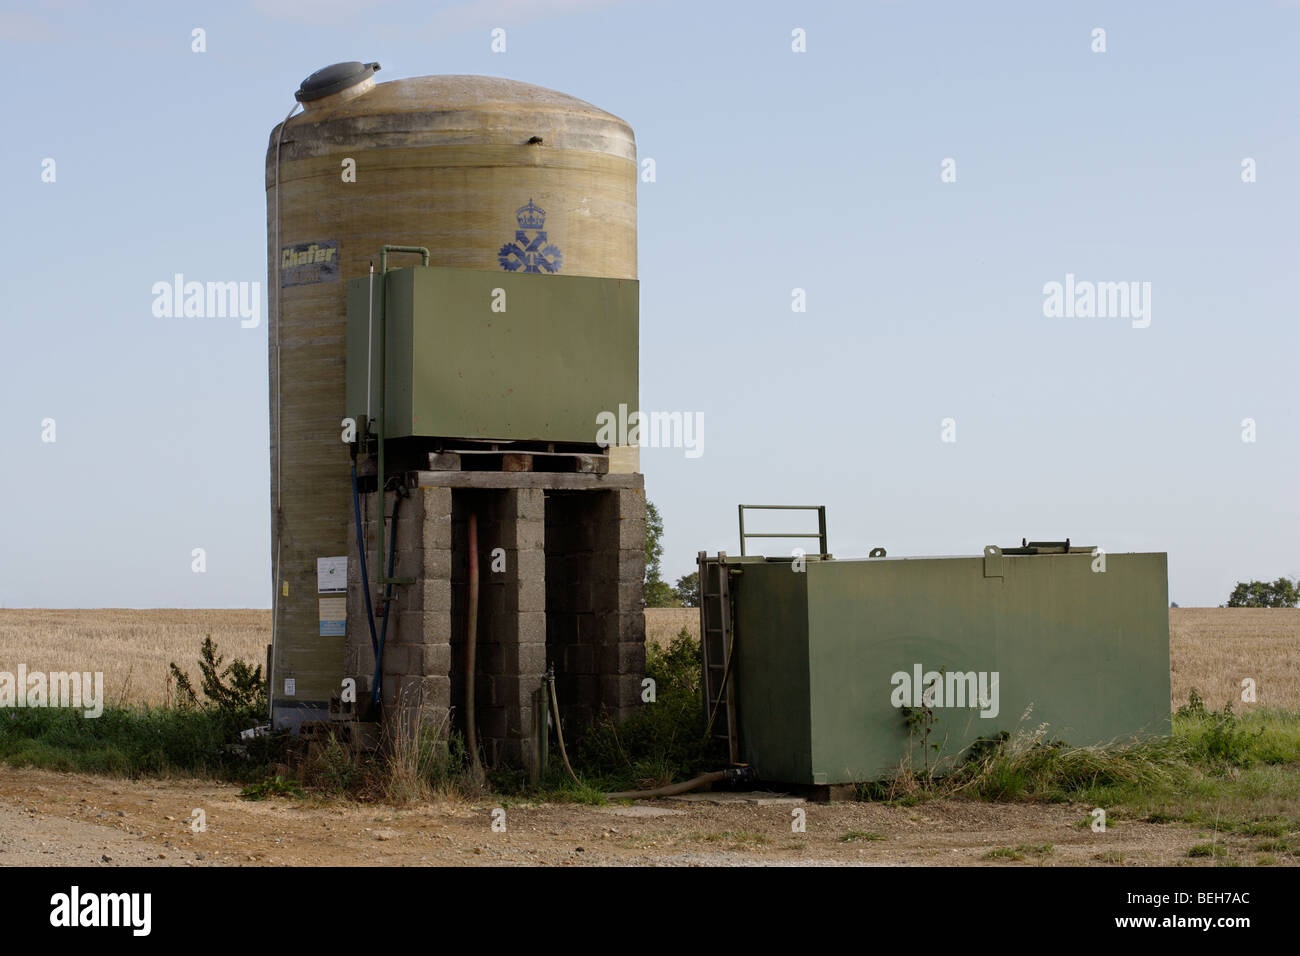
[531, 255]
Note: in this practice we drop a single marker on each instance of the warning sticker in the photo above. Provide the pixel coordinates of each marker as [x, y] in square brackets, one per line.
[333, 617]
[332, 574]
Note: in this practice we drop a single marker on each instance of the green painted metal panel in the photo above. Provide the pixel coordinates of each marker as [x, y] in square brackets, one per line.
[564, 349]
[771, 668]
[1084, 653]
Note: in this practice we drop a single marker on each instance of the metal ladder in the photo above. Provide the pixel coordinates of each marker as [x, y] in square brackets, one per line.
[717, 639]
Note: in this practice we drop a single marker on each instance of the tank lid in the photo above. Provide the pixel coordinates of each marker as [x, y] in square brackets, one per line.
[332, 79]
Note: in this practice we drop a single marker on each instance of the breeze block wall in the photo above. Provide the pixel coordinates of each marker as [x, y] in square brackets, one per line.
[595, 573]
[417, 646]
[561, 569]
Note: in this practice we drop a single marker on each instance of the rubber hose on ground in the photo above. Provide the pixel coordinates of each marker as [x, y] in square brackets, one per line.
[672, 789]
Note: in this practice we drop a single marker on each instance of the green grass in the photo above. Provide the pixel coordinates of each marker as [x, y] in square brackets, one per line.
[1237, 776]
[276, 786]
[198, 737]
[133, 742]
[661, 742]
[1217, 770]
[855, 835]
[1275, 846]
[1004, 853]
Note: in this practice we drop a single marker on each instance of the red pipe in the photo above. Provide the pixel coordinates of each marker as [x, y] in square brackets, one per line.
[471, 642]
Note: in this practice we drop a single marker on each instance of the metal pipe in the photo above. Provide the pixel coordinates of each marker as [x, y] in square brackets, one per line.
[385, 250]
[277, 515]
[559, 730]
[370, 334]
[471, 642]
[381, 424]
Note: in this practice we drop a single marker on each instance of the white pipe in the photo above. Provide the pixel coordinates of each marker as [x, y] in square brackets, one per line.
[279, 475]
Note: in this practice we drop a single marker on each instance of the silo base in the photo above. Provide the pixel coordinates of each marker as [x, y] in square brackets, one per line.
[561, 567]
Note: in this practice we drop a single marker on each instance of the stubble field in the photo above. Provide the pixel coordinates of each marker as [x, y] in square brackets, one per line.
[1211, 649]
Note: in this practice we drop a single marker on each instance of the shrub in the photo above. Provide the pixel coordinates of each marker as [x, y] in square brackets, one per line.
[238, 692]
[1217, 736]
[662, 741]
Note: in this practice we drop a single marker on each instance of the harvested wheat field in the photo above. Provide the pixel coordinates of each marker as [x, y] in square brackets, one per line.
[131, 647]
[662, 624]
[1212, 649]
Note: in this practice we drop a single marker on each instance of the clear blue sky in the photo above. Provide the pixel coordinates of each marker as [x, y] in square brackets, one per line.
[775, 170]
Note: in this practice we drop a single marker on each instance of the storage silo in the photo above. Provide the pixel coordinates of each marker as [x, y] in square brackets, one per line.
[487, 174]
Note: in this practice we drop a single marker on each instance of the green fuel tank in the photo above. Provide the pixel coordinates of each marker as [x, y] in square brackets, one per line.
[830, 660]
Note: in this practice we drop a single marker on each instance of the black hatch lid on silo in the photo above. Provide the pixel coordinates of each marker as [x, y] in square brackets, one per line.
[332, 79]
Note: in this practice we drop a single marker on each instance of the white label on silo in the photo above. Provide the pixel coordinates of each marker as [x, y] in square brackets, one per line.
[332, 575]
[290, 688]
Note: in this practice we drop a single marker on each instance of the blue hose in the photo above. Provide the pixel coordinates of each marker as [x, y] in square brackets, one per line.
[361, 551]
[388, 594]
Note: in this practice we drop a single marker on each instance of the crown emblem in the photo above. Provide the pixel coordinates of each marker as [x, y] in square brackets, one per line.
[536, 254]
[531, 216]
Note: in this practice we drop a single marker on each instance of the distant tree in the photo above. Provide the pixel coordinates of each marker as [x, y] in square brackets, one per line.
[658, 592]
[1173, 604]
[1281, 593]
[688, 589]
[654, 548]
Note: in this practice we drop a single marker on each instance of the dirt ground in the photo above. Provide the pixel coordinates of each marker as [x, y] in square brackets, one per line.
[76, 820]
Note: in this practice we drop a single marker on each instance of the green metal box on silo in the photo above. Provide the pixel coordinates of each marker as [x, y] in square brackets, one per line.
[827, 658]
[492, 355]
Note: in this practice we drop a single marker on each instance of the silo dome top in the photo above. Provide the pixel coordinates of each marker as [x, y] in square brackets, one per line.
[333, 79]
[464, 93]
[448, 110]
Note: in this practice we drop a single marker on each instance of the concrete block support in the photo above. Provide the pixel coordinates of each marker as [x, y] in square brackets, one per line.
[416, 674]
[595, 571]
[561, 561]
